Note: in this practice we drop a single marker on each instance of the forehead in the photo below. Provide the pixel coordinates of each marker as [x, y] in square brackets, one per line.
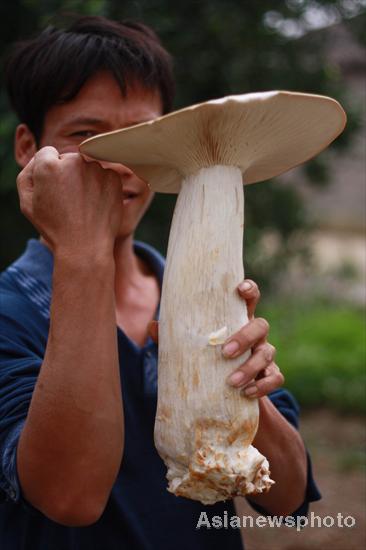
[101, 98]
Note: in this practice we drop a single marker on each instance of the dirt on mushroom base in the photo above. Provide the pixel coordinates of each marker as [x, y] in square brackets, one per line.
[337, 447]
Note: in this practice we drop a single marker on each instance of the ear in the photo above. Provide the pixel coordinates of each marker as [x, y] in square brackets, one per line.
[25, 146]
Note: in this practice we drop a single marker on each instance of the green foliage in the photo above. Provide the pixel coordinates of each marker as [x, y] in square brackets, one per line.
[220, 48]
[321, 349]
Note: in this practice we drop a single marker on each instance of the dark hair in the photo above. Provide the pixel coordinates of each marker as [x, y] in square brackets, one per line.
[52, 67]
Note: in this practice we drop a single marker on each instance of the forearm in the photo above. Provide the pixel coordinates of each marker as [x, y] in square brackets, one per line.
[71, 446]
[282, 445]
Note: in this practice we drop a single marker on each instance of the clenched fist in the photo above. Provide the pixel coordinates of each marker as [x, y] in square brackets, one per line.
[77, 206]
[74, 204]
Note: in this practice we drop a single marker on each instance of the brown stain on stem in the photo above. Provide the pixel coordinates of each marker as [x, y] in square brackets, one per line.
[196, 379]
[243, 432]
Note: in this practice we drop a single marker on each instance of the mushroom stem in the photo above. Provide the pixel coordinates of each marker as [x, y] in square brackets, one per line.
[204, 428]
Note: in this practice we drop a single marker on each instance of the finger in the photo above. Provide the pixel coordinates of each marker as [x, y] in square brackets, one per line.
[110, 172]
[243, 340]
[69, 156]
[249, 290]
[25, 188]
[153, 330]
[261, 358]
[272, 379]
[100, 163]
[47, 152]
[45, 160]
[86, 158]
[117, 167]
[26, 174]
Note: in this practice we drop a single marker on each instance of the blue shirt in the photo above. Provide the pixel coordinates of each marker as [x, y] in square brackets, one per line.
[140, 513]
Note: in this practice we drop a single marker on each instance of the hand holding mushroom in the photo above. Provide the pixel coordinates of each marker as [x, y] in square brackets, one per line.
[258, 375]
[204, 428]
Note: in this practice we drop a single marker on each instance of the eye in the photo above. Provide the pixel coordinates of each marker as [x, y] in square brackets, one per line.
[83, 133]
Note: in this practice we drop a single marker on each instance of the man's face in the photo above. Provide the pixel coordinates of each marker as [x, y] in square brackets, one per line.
[100, 107]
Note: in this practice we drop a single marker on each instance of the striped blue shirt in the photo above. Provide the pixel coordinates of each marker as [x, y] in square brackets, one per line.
[140, 513]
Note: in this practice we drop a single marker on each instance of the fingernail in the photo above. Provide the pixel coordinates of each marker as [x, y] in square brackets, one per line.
[236, 378]
[245, 286]
[230, 348]
[250, 391]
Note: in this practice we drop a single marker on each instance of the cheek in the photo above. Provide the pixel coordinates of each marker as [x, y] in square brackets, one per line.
[144, 200]
[148, 197]
[138, 207]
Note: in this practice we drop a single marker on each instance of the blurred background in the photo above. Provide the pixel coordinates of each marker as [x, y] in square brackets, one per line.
[304, 237]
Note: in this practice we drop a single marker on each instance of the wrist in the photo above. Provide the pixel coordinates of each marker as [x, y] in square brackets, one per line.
[87, 260]
[265, 421]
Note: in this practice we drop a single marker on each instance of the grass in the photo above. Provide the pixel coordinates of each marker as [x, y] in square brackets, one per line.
[321, 351]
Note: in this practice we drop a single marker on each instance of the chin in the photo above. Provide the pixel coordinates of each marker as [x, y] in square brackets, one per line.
[127, 229]
[125, 233]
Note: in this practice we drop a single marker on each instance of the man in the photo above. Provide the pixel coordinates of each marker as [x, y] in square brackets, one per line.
[78, 467]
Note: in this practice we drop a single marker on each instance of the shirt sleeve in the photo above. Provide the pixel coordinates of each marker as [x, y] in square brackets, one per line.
[23, 336]
[287, 405]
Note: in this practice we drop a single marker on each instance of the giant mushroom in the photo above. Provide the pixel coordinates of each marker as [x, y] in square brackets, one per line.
[204, 428]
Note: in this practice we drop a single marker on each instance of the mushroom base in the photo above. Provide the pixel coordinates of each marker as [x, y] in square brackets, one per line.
[217, 474]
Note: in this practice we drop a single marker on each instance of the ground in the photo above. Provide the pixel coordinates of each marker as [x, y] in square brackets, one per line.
[337, 446]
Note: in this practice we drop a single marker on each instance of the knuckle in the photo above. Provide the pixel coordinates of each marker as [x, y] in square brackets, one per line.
[255, 289]
[50, 162]
[271, 349]
[244, 340]
[268, 352]
[47, 149]
[24, 207]
[243, 368]
[46, 159]
[19, 180]
[259, 349]
[263, 324]
[280, 377]
[43, 165]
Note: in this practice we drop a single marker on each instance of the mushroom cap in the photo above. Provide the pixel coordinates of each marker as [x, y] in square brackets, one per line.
[264, 134]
